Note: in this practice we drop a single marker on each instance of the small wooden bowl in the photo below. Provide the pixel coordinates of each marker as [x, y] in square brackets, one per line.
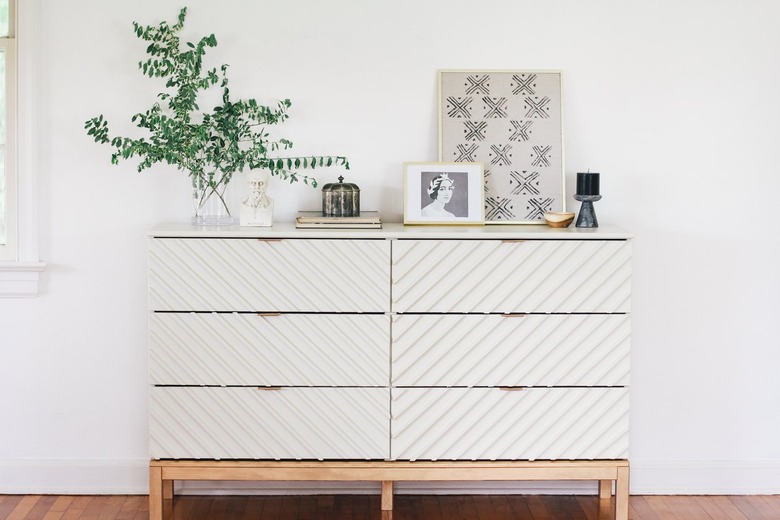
[558, 219]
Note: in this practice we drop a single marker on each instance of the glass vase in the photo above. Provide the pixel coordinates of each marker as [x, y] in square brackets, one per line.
[211, 203]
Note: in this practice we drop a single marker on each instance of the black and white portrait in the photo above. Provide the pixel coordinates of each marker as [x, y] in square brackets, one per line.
[443, 193]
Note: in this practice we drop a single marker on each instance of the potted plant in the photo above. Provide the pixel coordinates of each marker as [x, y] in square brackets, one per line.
[209, 145]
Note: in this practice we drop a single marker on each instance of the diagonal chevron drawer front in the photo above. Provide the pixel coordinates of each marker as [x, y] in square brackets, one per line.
[505, 276]
[210, 274]
[251, 423]
[526, 350]
[494, 423]
[277, 350]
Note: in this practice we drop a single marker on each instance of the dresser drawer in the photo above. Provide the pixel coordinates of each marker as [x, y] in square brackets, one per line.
[276, 350]
[496, 350]
[209, 274]
[250, 423]
[492, 424]
[510, 276]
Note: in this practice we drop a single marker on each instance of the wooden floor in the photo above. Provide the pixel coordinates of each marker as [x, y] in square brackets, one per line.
[407, 507]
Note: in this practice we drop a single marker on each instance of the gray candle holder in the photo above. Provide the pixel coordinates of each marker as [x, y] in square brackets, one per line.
[587, 217]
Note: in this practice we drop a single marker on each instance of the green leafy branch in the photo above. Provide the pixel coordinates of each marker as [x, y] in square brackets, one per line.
[209, 146]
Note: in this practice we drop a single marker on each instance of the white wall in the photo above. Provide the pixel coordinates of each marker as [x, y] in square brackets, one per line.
[675, 102]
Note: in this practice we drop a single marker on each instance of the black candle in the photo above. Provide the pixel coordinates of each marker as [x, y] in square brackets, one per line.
[588, 183]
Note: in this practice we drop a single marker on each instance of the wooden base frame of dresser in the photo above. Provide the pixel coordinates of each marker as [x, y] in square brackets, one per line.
[163, 473]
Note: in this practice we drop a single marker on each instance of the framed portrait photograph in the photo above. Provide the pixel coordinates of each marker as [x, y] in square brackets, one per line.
[512, 122]
[444, 193]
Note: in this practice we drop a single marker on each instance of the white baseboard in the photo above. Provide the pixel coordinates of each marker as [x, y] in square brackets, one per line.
[102, 477]
[717, 477]
[74, 477]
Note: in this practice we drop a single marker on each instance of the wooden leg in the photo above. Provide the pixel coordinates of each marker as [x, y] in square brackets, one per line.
[621, 494]
[387, 500]
[167, 486]
[605, 489]
[155, 493]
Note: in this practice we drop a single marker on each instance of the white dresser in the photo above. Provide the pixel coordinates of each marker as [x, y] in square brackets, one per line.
[497, 343]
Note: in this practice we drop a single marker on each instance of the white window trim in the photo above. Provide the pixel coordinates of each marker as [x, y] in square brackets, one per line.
[20, 272]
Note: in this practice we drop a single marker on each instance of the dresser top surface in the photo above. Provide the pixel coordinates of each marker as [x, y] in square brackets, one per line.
[395, 230]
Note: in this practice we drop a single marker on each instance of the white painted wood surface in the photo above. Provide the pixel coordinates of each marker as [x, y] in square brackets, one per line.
[496, 350]
[498, 276]
[395, 230]
[276, 350]
[252, 423]
[425, 316]
[278, 275]
[494, 423]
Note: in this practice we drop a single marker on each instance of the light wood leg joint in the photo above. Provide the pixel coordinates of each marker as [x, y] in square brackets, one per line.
[387, 500]
[621, 494]
[155, 493]
[605, 489]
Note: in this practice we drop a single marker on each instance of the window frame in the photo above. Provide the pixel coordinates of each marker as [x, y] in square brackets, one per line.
[20, 266]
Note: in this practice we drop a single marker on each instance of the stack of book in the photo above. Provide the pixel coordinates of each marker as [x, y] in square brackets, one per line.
[314, 219]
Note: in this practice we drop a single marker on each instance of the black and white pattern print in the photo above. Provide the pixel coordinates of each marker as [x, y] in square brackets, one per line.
[510, 121]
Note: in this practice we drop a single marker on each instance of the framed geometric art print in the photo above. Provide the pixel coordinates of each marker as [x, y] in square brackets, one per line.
[510, 121]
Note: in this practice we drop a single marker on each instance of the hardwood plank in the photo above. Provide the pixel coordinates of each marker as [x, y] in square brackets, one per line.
[539, 509]
[641, 509]
[430, 508]
[307, 508]
[23, 507]
[199, 508]
[519, 507]
[448, 507]
[62, 503]
[662, 510]
[76, 508]
[375, 507]
[326, 507]
[557, 508]
[720, 509]
[113, 506]
[596, 509]
[686, 508]
[773, 501]
[466, 507]
[572, 505]
[754, 509]
[274, 509]
[254, 508]
[41, 507]
[361, 507]
[490, 509]
[131, 506]
[408, 507]
[226, 507]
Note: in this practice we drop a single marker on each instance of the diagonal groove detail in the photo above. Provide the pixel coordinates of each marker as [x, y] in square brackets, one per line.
[492, 276]
[537, 423]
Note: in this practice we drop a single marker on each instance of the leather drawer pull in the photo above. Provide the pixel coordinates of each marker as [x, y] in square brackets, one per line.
[269, 388]
[269, 239]
[268, 314]
[512, 241]
[514, 315]
[511, 388]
